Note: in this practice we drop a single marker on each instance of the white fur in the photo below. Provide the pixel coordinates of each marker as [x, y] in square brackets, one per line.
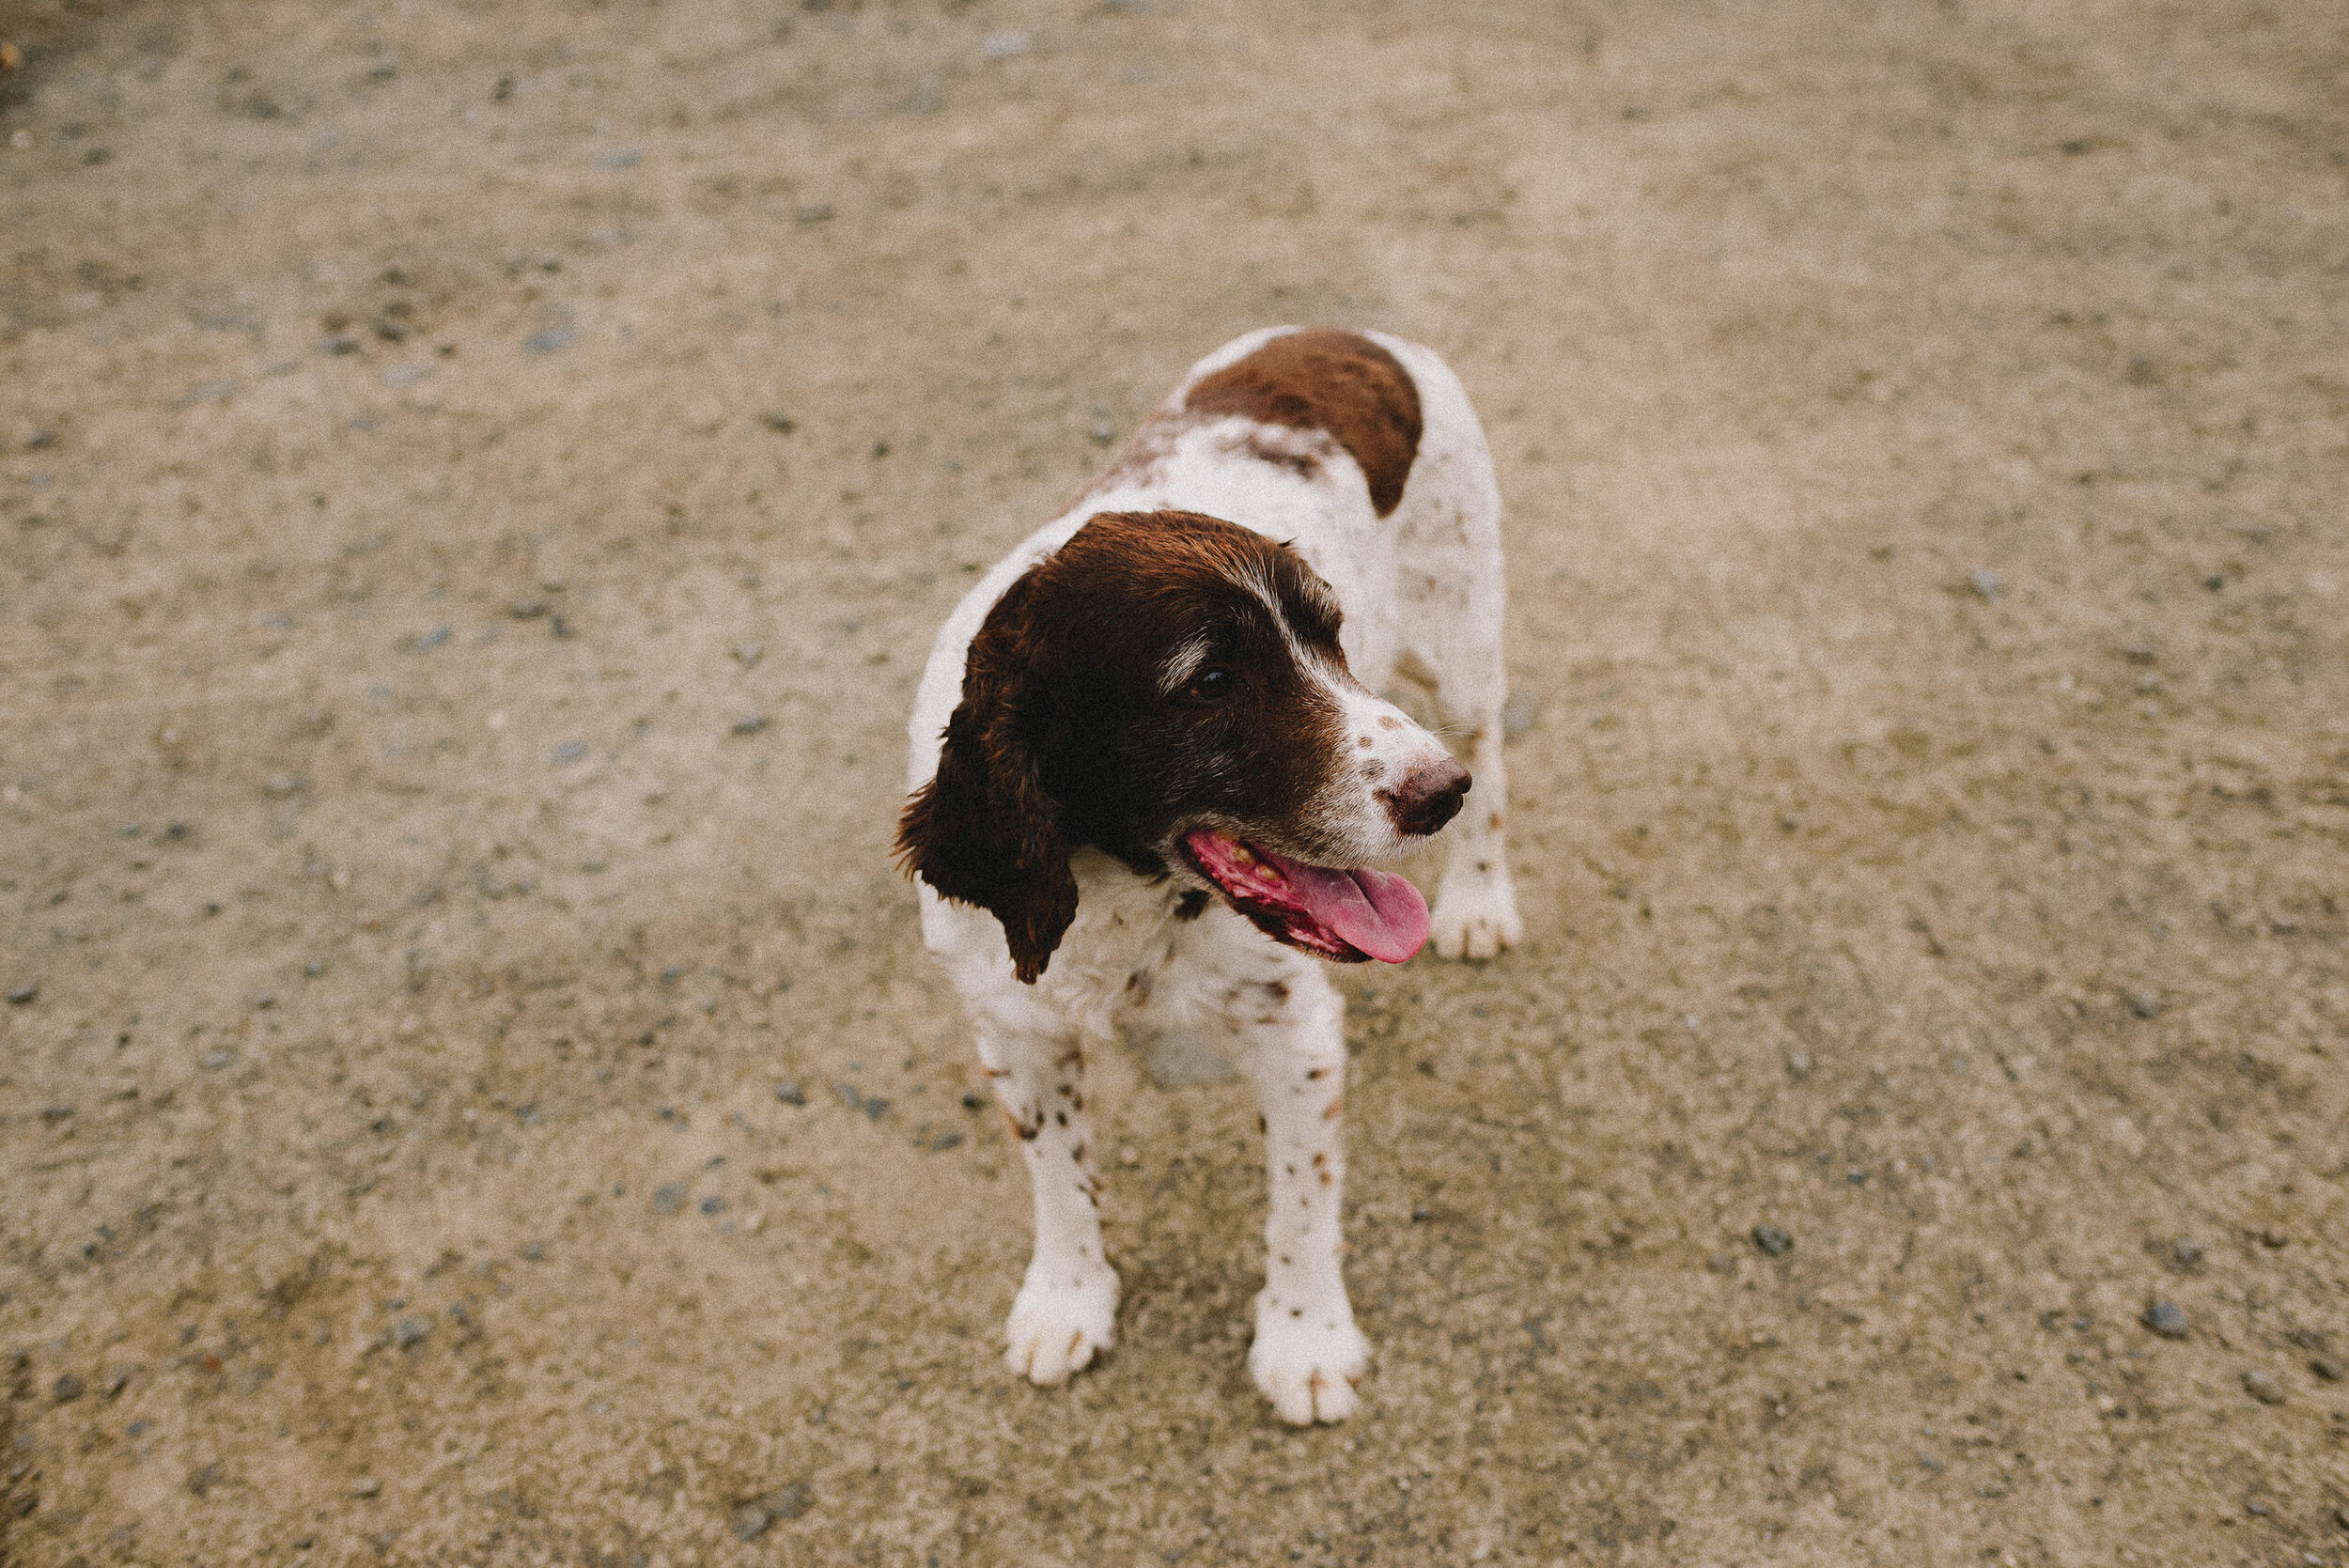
[1423, 595]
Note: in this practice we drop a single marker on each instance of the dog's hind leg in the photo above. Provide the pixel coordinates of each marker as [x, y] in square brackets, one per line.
[1067, 1310]
[1450, 598]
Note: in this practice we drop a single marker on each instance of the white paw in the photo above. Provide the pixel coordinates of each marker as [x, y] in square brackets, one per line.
[1308, 1364]
[1476, 916]
[1059, 1324]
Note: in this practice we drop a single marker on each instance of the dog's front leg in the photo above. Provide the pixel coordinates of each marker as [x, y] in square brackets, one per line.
[1067, 1310]
[1307, 1355]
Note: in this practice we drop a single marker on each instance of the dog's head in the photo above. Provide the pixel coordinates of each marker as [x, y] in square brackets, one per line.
[1169, 687]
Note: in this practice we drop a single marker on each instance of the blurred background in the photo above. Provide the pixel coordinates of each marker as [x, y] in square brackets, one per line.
[478, 482]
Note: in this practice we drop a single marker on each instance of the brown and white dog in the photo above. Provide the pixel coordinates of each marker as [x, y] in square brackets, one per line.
[1165, 773]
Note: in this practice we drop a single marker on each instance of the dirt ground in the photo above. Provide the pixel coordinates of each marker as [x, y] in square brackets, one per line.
[478, 481]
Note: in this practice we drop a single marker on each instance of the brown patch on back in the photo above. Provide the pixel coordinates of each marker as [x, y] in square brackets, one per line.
[1325, 380]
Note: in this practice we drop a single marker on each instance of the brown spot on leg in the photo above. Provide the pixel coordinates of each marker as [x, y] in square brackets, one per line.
[1335, 1107]
[1336, 382]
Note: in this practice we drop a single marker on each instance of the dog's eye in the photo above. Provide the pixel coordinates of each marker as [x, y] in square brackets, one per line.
[1211, 684]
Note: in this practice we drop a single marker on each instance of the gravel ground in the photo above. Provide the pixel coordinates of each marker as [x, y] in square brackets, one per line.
[478, 481]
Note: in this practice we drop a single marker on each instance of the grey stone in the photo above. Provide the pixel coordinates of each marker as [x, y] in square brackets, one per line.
[2263, 1388]
[875, 1107]
[67, 1389]
[1773, 1239]
[790, 1094]
[23, 994]
[713, 1205]
[847, 1095]
[2326, 1368]
[668, 1199]
[751, 725]
[1986, 582]
[2166, 1319]
[945, 1140]
[365, 1486]
[2144, 1004]
[751, 1521]
[410, 1331]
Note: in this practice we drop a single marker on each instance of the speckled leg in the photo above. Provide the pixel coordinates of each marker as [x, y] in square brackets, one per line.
[1067, 1310]
[1291, 1042]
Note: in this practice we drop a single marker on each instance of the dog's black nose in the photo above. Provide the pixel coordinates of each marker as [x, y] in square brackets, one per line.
[1428, 797]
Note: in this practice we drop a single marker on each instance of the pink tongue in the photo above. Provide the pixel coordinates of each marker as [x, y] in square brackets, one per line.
[1378, 911]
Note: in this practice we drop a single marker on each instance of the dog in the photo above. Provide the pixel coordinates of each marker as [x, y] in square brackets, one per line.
[1149, 773]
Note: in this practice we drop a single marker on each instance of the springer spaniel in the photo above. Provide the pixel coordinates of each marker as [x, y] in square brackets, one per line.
[1165, 773]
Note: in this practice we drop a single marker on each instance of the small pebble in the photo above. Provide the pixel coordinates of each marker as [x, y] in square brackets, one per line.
[2327, 1368]
[874, 1107]
[778, 421]
[668, 1199]
[848, 1096]
[367, 1486]
[971, 1100]
[2263, 1388]
[1986, 582]
[533, 1251]
[945, 1140]
[790, 1094]
[2166, 1319]
[751, 725]
[2146, 1004]
[214, 1061]
[751, 1521]
[713, 1205]
[410, 1331]
[1773, 1240]
[67, 1389]
[23, 994]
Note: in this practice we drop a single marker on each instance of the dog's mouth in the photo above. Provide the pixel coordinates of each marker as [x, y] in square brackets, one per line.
[1344, 916]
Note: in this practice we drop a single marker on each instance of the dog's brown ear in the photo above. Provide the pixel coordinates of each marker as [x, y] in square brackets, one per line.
[983, 831]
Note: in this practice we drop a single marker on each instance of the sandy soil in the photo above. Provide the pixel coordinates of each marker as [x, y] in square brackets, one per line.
[477, 485]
